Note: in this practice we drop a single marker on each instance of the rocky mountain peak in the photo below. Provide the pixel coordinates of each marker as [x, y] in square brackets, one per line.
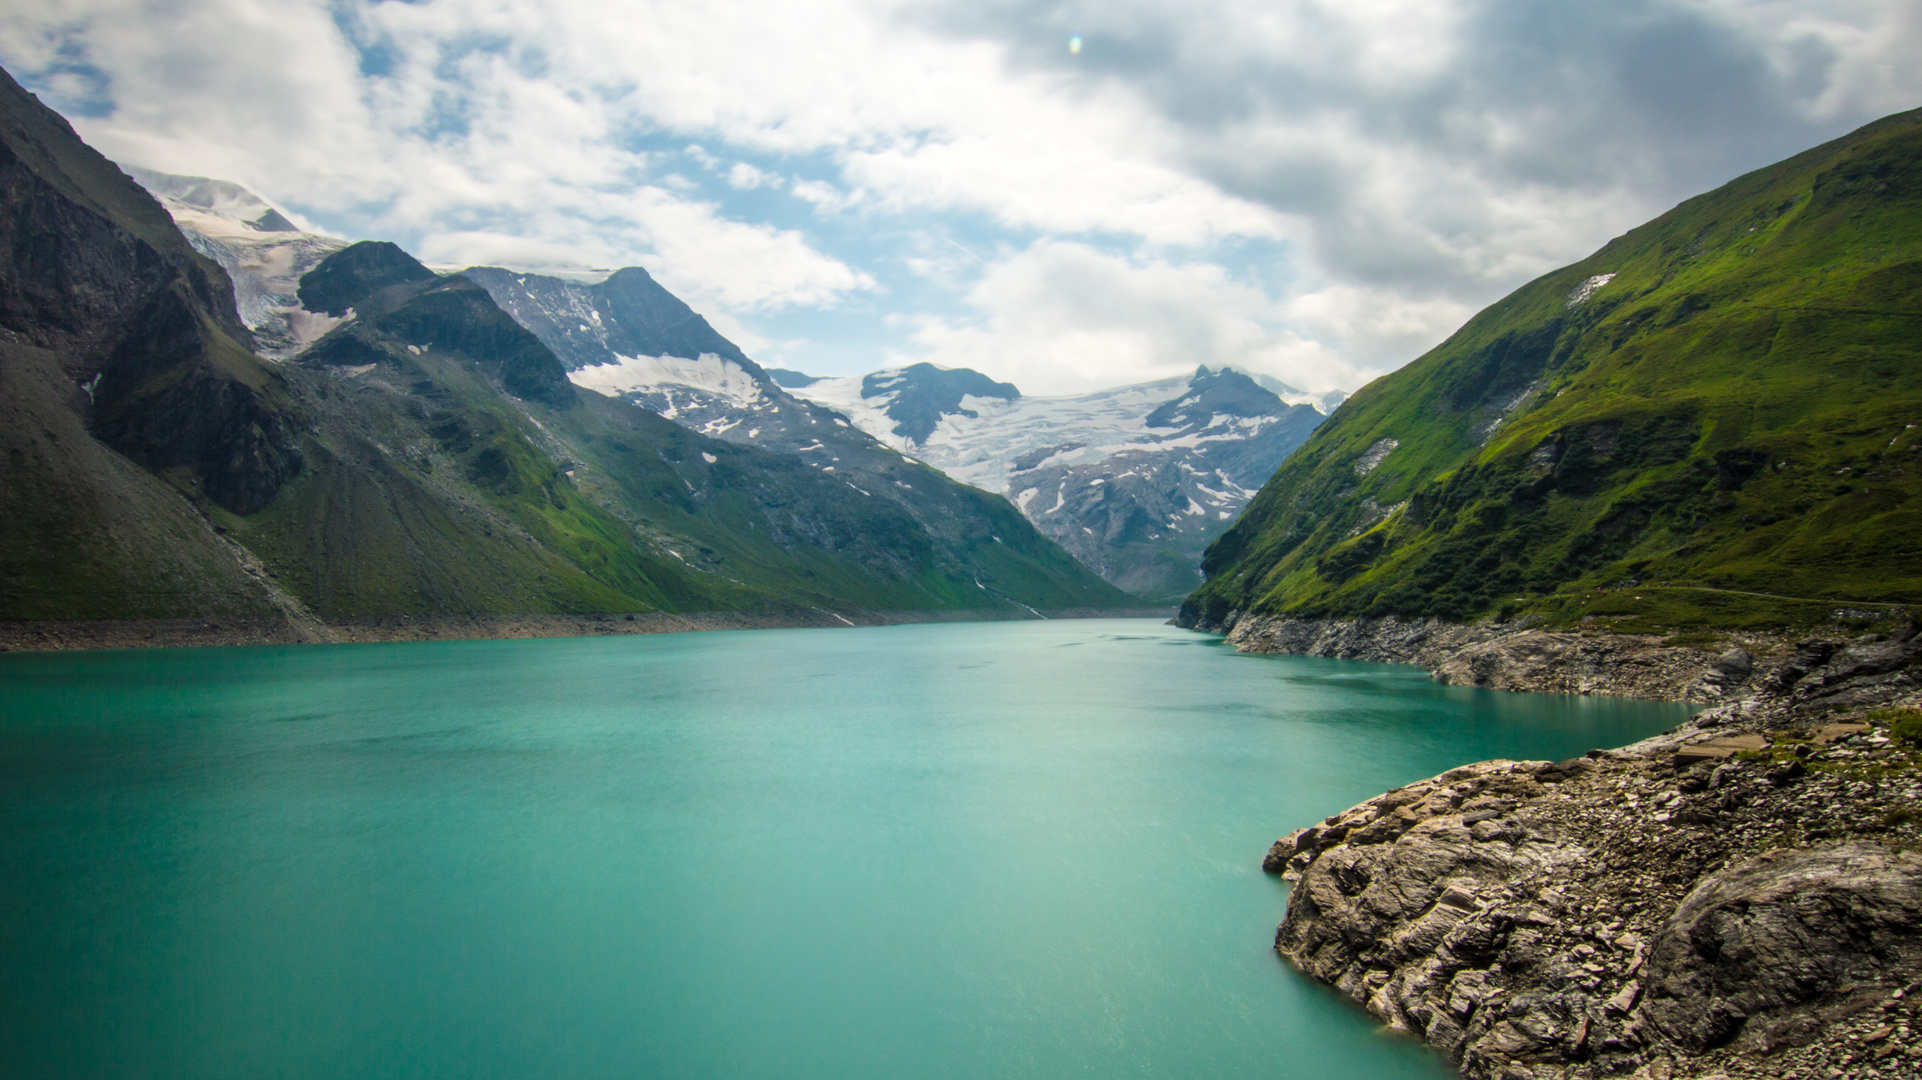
[1212, 394]
[919, 395]
[348, 277]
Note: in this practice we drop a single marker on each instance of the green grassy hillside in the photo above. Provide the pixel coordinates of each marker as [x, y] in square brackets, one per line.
[453, 469]
[1710, 421]
[428, 457]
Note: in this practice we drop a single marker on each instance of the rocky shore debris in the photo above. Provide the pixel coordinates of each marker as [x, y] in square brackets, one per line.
[1508, 657]
[1740, 897]
[1511, 657]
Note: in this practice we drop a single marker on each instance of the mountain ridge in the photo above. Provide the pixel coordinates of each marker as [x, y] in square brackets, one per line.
[1714, 406]
[1134, 480]
[1144, 533]
[417, 454]
[125, 381]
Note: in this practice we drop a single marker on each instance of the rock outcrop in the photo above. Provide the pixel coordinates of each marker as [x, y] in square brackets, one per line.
[1509, 657]
[1741, 897]
[99, 287]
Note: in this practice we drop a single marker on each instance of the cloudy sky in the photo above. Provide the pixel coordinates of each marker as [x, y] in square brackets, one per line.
[1068, 195]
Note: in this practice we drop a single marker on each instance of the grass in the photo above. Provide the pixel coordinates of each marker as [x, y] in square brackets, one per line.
[427, 491]
[1722, 437]
[1905, 725]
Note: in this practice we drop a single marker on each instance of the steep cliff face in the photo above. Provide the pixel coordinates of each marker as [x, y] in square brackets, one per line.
[120, 345]
[450, 314]
[92, 268]
[628, 314]
[264, 254]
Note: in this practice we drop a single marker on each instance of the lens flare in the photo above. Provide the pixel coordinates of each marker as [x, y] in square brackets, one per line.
[1074, 45]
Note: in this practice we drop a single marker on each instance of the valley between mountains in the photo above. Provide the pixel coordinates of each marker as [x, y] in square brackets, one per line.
[1686, 467]
[465, 447]
[400, 450]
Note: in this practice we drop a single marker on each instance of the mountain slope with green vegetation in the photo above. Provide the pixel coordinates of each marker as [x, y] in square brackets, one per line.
[455, 470]
[1712, 421]
[125, 381]
[428, 457]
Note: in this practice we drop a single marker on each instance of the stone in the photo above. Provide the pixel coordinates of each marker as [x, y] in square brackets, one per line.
[1285, 848]
[1775, 904]
[1624, 999]
[1727, 673]
[1778, 931]
[1721, 747]
[1788, 773]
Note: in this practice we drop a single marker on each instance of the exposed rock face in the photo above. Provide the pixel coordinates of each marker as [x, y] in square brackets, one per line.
[1134, 480]
[349, 277]
[629, 314]
[93, 272]
[920, 395]
[1776, 932]
[1505, 657]
[1740, 897]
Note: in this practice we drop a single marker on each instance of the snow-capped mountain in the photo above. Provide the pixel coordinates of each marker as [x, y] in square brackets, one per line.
[625, 336]
[263, 251]
[1135, 481]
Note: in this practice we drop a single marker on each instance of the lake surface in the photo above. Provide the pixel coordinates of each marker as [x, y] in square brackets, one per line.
[964, 850]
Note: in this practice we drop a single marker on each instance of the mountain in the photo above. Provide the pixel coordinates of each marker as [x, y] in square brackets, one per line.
[263, 252]
[626, 336]
[918, 397]
[128, 394]
[424, 456]
[473, 402]
[1135, 481]
[626, 313]
[1710, 421]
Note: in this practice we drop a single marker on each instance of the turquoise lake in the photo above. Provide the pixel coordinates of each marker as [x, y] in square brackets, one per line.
[965, 850]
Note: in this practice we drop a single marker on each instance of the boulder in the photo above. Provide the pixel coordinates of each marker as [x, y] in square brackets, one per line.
[1780, 931]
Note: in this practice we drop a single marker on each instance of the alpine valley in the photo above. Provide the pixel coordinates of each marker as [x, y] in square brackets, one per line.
[400, 449]
[1687, 468]
[1133, 481]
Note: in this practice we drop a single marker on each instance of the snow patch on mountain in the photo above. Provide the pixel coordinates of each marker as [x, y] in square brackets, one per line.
[988, 440]
[1134, 481]
[261, 247]
[709, 375]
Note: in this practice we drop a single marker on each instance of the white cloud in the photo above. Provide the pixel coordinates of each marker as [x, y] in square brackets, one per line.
[1375, 330]
[1411, 159]
[739, 266]
[825, 197]
[744, 176]
[1061, 317]
[467, 153]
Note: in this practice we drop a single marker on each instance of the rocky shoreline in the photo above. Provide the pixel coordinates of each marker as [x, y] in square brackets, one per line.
[1510, 657]
[1740, 897]
[192, 633]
